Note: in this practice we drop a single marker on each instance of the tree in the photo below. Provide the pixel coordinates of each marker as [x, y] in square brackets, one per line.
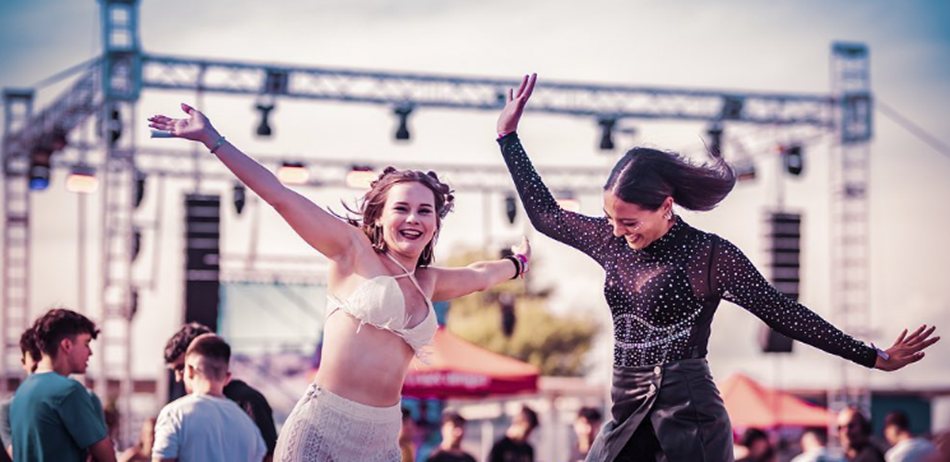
[556, 344]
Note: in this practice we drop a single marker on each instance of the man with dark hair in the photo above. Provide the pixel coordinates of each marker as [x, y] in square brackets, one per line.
[854, 430]
[586, 427]
[814, 441]
[757, 447]
[904, 446]
[514, 447]
[29, 357]
[204, 425]
[53, 416]
[453, 431]
[247, 398]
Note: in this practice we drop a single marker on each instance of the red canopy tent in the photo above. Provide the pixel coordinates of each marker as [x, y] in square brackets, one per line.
[751, 404]
[459, 369]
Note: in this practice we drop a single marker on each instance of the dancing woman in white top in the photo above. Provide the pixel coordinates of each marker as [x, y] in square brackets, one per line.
[379, 274]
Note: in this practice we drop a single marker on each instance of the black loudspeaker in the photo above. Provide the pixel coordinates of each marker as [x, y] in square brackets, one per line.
[202, 258]
[785, 236]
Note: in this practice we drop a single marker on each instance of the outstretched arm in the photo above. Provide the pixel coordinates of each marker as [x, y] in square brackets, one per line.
[452, 283]
[323, 231]
[738, 281]
[584, 233]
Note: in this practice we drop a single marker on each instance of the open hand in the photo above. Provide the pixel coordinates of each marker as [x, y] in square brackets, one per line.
[511, 114]
[196, 127]
[907, 349]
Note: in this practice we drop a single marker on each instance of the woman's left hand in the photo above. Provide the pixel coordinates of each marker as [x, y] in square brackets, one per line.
[907, 349]
[523, 248]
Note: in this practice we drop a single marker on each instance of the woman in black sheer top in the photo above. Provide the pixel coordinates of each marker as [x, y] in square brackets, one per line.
[664, 280]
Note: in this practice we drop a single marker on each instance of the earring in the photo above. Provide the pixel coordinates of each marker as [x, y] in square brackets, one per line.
[668, 215]
[378, 242]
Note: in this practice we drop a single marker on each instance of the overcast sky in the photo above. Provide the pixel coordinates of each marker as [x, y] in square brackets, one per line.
[781, 46]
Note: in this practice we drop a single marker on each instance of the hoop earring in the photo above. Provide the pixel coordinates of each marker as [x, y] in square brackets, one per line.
[428, 251]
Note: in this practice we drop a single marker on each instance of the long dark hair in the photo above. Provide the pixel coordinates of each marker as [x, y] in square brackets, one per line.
[646, 177]
[371, 206]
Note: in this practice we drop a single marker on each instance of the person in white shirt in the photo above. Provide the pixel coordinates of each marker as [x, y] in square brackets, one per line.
[204, 425]
[813, 444]
[904, 446]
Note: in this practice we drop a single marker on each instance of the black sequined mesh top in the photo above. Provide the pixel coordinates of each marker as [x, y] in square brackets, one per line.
[662, 298]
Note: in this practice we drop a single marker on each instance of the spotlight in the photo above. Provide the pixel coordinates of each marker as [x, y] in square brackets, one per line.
[511, 207]
[714, 132]
[139, 188]
[264, 128]
[114, 126]
[39, 168]
[794, 159]
[136, 243]
[360, 177]
[239, 197]
[402, 132]
[567, 201]
[606, 133]
[731, 108]
[293, 173]
[82, 179]
[745, 170]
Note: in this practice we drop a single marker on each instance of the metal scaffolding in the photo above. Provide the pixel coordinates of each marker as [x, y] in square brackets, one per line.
[110, 88]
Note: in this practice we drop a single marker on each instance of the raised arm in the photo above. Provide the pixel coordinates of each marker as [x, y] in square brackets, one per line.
[738, 281]
[323, 231]
[453, 283]
[584, 233]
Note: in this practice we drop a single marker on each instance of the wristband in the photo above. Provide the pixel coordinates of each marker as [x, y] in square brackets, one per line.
[524, 263]
[218, 144]
[502, 135]
[517, 264]
[883, 354]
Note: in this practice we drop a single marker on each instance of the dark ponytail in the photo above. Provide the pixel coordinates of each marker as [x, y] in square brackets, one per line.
[646, 177]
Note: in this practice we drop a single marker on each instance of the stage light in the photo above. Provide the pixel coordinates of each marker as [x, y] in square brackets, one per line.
[606, 133]
[240, 193]
[794, 159]
[264, 128]
[731, 108]
[360, 177]
[745, 170]
[139, 188]
[511, 207]
[39, 169]
[567, 201]
[136, 243]
[82, 179]
[114, 126]
[402, 131]
[293, 173]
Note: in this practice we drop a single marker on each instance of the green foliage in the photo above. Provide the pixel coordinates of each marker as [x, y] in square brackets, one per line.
[556, 344]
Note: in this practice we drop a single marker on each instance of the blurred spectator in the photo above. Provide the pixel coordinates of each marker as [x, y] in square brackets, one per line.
[942, 441]
[514, 447]
[904, 447]
[29, 357]
[141, 451]
[814, 441]
[586, 427]
[406, 433]
[453, 431]
[204, 425]
[246, 397]
[53, 416]
[854, 431]
[757, 446]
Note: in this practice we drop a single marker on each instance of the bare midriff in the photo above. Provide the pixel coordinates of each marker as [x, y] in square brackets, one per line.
[363, 364]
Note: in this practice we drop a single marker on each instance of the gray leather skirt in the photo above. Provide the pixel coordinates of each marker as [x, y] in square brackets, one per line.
[669, 412]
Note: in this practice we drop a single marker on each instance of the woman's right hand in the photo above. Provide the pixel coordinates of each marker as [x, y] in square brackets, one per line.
[511, 114]
[196, 127]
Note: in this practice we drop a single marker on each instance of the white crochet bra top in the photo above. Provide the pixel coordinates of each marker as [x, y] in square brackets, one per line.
[379, 302]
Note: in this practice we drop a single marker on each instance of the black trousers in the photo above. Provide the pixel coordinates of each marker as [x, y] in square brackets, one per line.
[670, 412]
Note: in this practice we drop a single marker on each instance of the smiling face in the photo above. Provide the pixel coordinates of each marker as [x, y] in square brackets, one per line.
[639, 226]
[408, 219]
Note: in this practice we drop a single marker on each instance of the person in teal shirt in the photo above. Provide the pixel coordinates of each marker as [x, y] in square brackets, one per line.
[54, 417]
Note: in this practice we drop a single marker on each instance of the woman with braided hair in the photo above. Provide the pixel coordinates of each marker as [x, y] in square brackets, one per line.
[381, 286]
[664, 281]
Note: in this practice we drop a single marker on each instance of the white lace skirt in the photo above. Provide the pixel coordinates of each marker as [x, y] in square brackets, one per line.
[324, 427]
